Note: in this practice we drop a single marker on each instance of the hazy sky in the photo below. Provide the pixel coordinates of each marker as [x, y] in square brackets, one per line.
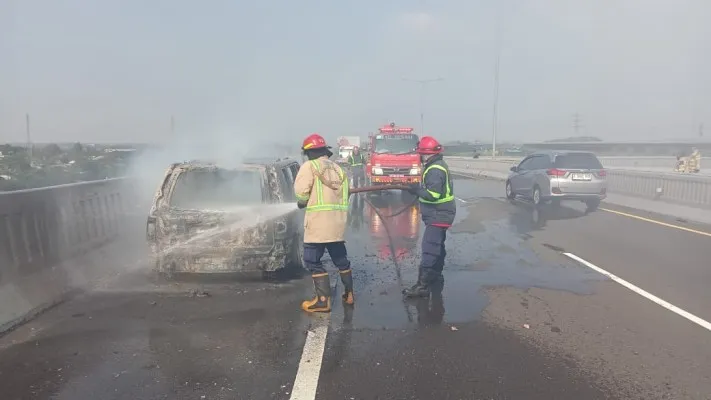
[115, 70]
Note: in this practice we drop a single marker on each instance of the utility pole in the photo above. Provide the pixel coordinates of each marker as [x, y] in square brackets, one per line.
[29, 138]
[576, 123]
[497, 63]
[423, 83]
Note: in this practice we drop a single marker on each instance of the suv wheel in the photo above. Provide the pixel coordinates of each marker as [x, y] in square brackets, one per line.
[536, 196]
[592, 205]
[509, 191]
[295, 261]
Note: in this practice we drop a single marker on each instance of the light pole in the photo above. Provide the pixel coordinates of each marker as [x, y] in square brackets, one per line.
[495, 117]
[423, 83]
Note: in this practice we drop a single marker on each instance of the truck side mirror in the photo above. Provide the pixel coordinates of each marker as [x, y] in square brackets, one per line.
[514, 169]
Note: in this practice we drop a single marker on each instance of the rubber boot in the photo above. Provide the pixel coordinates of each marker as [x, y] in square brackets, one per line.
[322, 301]
[419, 289]
[347, 279]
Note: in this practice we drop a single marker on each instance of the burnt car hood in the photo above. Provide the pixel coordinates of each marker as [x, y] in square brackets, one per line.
[238, 228]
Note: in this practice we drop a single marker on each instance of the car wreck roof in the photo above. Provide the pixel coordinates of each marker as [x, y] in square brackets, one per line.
[208, 165]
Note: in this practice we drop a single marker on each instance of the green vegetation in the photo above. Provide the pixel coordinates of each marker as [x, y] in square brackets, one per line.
[53, 165]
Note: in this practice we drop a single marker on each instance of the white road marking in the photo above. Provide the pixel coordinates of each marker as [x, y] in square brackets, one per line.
[691, 317]
[307, 375]
[462, 200]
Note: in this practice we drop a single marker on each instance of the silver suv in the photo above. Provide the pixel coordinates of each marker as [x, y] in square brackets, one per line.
[559, 175]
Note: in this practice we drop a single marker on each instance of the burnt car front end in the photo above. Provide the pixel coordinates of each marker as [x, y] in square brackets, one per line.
[195, 232]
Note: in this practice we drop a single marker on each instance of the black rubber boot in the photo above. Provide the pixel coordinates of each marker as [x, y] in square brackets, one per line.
[419, 289]
[322, 301]
[347, 279]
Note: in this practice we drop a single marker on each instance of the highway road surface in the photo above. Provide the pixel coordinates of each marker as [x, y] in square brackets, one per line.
[527, 312]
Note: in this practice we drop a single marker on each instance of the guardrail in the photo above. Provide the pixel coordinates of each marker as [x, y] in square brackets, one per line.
[687, 189]
[637, 162]
[42, 227]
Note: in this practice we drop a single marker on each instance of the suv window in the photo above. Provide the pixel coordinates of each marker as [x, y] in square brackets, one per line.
[287, 184]
[540, 162]
[525, 164]
[216, 188]
[577, 161]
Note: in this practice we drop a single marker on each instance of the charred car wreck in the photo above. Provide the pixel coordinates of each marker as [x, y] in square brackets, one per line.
[209, 219]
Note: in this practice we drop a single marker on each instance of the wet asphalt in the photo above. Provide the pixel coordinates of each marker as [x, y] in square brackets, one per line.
[516, 319]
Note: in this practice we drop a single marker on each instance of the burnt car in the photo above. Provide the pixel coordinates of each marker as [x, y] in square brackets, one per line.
[210, 219]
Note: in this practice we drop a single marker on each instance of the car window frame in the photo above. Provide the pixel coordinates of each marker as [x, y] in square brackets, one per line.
[289, 177]
[538, 161]
[521, 165]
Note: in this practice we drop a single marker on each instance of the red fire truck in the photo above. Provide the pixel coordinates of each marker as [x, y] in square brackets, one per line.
[393, 160]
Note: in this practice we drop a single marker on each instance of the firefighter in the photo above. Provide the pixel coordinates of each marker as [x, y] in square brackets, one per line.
[438, 208]
[321, 187]
[355, 160]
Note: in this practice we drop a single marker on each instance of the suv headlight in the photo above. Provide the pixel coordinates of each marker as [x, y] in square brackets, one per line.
[377, 171]
[415, 171]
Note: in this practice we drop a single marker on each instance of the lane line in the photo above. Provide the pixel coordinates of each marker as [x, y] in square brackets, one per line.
[309, 370]
[691, 317]
[653, 221]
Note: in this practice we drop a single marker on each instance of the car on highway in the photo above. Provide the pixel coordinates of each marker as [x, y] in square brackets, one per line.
[559, 175]
[211, 219]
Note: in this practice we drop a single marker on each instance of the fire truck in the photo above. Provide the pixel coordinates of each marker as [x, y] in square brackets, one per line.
[393, 160]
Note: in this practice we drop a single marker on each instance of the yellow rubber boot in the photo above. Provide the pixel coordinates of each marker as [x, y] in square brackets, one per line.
[322, 301]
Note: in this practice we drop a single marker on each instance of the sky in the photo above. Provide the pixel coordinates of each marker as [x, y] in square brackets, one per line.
[275, 71]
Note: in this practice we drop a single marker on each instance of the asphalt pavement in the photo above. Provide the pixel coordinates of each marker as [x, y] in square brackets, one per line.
[520, 317]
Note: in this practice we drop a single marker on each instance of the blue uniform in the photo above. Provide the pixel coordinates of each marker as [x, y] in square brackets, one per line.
[438, 208]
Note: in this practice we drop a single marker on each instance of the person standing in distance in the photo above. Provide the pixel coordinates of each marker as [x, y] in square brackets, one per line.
[321, 188]
[438, 209]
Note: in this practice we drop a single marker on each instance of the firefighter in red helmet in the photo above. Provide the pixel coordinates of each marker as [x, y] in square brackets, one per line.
[438, 209]
[321, 188]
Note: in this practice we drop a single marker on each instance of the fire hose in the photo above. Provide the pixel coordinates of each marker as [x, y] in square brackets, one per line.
[334, 185]
[365, 189]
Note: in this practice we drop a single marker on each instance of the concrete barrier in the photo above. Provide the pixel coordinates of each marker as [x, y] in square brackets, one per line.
[43, 230]
[693, 190]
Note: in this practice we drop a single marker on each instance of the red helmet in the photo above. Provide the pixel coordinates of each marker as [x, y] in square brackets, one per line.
[314, 141]
[429, 145]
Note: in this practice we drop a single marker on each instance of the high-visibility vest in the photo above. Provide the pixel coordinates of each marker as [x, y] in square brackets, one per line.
[352, 160]
[441, 198]
[318, 186]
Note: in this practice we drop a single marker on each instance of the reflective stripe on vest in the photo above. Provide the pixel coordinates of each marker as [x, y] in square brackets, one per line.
[318, 185]
[448, 190]
[352, 160]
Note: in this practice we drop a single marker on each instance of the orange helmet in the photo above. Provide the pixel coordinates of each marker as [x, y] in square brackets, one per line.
[429, 145]
[314, 141]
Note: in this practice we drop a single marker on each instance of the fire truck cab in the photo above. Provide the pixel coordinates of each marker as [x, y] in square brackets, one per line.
[393, 160]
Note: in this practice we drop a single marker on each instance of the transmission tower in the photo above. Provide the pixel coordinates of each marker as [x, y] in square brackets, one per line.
[576, 123]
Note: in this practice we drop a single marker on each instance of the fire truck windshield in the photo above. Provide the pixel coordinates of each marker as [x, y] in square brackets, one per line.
[395, 144]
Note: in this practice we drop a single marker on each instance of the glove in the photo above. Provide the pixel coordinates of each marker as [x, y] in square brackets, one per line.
[301, 204]
[413, 188]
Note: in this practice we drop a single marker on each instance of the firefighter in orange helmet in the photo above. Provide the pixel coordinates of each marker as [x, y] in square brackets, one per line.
[438, 208]
[321, 188]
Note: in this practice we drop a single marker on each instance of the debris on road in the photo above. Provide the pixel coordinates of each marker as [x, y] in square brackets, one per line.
[527, 326]
[198, 293]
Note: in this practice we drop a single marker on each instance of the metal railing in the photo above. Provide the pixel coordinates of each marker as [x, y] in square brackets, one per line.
[42, 227]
